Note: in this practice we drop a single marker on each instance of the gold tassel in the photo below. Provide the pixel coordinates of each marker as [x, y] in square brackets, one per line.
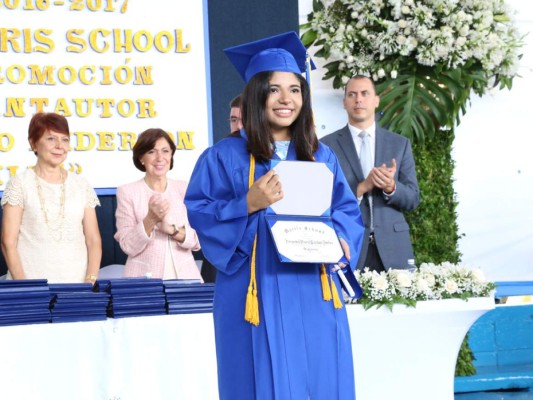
[336, 299]
[251, 313]
[326, 291]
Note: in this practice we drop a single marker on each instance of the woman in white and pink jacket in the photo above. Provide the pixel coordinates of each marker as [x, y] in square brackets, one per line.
[152, 225]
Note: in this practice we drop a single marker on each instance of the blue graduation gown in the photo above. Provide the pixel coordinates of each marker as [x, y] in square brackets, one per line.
[301, 348]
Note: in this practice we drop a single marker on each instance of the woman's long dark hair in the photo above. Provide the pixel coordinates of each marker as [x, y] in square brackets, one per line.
[257, 127]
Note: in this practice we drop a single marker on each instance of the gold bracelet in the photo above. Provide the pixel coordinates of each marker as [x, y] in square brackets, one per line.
[91, 277]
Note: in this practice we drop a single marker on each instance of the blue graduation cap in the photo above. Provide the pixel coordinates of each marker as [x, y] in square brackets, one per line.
[283, 52]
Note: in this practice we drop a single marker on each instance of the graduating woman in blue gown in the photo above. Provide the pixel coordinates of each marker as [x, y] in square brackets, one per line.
[296, 345]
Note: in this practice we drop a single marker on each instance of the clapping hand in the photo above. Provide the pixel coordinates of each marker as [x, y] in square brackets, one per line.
[158, 208]
[383, 177]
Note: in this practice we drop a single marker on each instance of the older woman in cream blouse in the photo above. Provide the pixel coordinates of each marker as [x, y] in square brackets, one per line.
[152, 225]
[49, 227]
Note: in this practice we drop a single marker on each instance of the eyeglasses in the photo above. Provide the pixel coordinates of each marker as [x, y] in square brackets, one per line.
[234, 120]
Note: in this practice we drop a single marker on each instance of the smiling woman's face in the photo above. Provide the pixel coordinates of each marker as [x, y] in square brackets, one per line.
[284, 103]
[157, 160]
[52, 147]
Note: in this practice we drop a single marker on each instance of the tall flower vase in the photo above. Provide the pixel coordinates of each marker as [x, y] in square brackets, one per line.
[410, 353]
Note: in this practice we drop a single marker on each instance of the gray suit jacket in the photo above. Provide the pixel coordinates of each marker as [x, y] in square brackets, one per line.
[390, 227]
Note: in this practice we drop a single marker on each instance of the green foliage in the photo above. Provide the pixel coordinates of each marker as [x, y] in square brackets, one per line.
[421, 100]
[433, 224]
[465, 359]
[389, 303]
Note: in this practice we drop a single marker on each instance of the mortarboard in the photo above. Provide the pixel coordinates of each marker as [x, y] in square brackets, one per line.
[283, 52]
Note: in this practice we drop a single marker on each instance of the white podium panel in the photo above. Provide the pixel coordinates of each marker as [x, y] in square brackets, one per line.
[160, 357]
[55, 361]
[410, 353]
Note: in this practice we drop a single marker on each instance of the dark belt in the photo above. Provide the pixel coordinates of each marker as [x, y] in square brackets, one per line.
[371, 238]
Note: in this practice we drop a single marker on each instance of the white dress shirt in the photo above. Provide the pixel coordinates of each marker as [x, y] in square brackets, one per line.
[358, 141]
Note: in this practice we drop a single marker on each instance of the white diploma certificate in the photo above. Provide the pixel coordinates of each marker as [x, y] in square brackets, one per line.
[306, 241]
[300, 223]
[307, 187]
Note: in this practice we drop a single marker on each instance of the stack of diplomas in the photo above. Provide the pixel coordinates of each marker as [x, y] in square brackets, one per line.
[77, 302]
[131, 297]
[188, 296]
[24, 302]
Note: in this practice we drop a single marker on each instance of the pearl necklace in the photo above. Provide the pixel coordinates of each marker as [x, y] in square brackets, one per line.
[57, 228]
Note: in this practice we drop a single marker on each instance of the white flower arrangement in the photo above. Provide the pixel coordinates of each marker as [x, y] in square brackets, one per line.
[376, 37]
[428, 282]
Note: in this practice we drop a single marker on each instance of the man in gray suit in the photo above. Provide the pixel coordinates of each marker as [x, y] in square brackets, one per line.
[390, 185]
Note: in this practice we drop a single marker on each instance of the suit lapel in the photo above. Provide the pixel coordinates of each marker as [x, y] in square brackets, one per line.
[348, 148]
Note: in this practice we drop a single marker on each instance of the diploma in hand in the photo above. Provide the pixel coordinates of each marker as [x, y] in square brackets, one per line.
[301, 223]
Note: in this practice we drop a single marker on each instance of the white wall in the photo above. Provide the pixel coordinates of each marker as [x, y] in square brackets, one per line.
[494, 164]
